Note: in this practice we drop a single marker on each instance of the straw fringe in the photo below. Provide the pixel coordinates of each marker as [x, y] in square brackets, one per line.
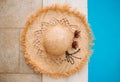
[36, 68]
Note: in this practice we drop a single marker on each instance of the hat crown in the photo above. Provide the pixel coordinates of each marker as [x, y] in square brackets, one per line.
[58, 39]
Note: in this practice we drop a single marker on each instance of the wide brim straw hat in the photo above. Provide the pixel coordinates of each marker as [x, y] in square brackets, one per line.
[56, 41]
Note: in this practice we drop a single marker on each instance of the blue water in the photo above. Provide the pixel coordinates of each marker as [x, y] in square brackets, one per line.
[104, 19]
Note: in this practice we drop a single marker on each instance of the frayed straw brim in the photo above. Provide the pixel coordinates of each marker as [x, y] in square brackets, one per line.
[39, 64]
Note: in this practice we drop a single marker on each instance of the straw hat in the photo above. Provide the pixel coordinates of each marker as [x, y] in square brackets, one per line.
[56, 41]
